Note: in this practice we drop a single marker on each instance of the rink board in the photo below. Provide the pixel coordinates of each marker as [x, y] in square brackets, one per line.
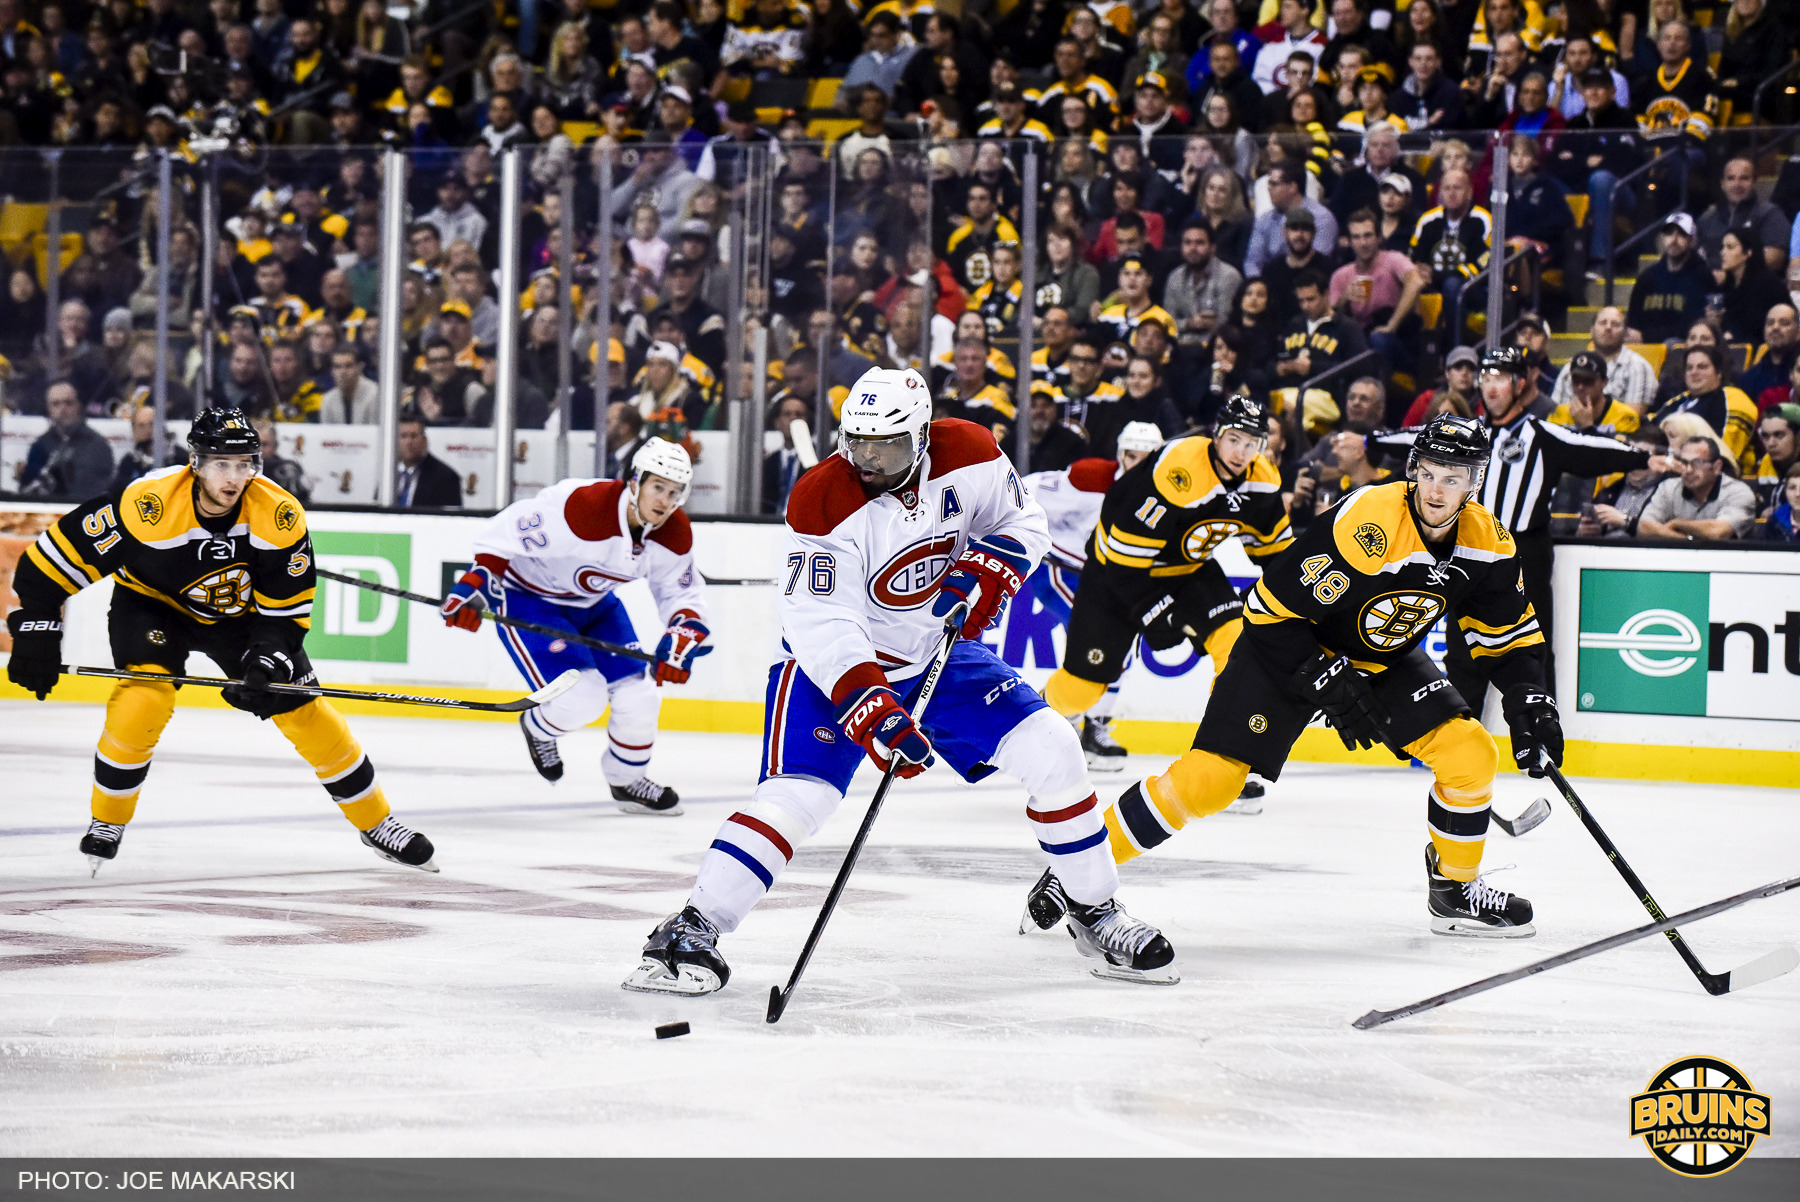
[1672, 665]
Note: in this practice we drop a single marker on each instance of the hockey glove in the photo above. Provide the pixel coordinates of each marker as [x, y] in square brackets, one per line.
[875, 718]
[1536, 729]
[262, 666]
[1332, 684]
[478, 589]
[683, 642]
[36, 652]
[988, 572]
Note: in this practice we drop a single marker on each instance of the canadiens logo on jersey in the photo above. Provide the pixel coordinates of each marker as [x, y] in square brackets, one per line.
[910, 578]
[590, 579]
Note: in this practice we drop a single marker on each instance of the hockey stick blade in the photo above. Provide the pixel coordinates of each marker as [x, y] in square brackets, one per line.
[1764, 968]
[1773, 961]
[549, 692]
[1530, 820]
[777, 1003]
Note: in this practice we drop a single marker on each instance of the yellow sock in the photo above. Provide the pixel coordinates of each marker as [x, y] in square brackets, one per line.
[1197, 784]
[323, 739]
[136, 713]
[1462, 755]
[1220, 642]
[1069, 695]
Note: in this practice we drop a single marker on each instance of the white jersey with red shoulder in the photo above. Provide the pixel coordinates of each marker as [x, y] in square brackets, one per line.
[1071, 499]
[572, 545]
[861, 572]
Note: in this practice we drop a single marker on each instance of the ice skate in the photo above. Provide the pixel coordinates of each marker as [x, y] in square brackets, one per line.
[1045, 905]
[393, 840]
[1103, 751]
[545, 756]
[645, 796]
[682, 957]
[100, 844]
[1249, 799]
[1474, 908]
[1128, 950]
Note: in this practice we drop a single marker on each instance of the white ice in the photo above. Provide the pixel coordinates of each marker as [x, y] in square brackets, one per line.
[247, 978]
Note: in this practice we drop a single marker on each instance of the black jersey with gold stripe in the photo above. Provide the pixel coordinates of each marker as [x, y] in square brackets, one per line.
[1166, 516]
[1362, 581]
[254, 564]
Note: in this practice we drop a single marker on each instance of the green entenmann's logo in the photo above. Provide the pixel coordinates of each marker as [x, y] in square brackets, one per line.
[354, 623]
[1643, 641]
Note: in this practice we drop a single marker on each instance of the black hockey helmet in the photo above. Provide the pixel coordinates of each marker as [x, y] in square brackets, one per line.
[1454, 441]
[1241, 411]
[223, 432]
[1509, 359]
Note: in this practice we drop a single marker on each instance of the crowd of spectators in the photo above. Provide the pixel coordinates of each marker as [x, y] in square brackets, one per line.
[1230, 197]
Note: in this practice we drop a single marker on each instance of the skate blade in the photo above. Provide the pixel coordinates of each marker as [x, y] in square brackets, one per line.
[1105, 763]
[638, 807]
[1245, 805]
[1146, 976]
[691, 981]
[1469, 929]
[94, 865]
[428, 866]
[1028, 925]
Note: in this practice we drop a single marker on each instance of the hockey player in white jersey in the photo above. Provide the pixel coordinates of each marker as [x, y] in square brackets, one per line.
[557, 560]
[910, 519]
[1071, 499]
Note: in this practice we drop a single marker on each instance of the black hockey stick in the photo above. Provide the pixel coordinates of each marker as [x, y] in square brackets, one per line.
[779, 997]
[1530, 820]
[555, 688]
[566, 636]
[1375, 1018]
[1781, 960]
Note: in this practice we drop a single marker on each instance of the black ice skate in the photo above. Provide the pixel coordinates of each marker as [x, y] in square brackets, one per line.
[1128, 950]
[682, 957]
[1249, 799]
[100, 844]
[544, 754]
[1045, 905]
[1102, 750]
[645, 796]
[1475, 907]
[395, 841]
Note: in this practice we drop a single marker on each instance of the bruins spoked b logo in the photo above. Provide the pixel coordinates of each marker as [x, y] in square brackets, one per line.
[1699, 1116]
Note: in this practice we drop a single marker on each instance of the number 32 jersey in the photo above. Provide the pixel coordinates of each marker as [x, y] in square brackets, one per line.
[861, 572]
[1370, 587]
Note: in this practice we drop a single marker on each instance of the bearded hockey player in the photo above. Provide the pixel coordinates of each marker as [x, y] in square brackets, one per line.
[557, 560]
[1071, 498]
[1335, 625]
[1151, 573]
[210, 557]
[910, 519]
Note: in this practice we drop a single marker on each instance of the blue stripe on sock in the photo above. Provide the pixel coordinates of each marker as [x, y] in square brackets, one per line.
[1069, 849]
[747, 860]
[1144, 827]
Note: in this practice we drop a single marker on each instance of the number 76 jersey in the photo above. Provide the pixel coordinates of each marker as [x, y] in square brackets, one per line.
[861, 572]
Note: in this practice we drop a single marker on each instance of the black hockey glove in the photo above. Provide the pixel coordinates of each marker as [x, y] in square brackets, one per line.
[1536, 729]
[1156, 617]
[1334, 685]
[36, 651]
[262, 666]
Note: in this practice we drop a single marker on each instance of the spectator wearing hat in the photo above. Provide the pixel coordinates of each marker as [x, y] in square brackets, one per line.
[1775, 358]
[1301, 256]
[303, 267]
[662, 177]
[456, 326]
[1397, 215]
[1287, 192]
[1605, 148]
[1010, 119]
[1630, 380]
[1670, 294]
[1360, 187]
[662, 385]
[1584, 403]
[726, 158]
[1373, 84]
[348, 129]
[1153, 118]
[456, 217]
[675, 114]
[1458, 386]
[1702, 502]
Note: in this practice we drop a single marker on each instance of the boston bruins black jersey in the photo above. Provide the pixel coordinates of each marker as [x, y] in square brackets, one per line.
[1167, 515]
[1363, 582]
[252, 565]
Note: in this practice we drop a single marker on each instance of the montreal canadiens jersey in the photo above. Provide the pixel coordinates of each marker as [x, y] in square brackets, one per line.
[571, 544]
[861, 573]
[1071, 499]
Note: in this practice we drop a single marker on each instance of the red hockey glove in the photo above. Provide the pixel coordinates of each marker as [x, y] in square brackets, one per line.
[681, 643]
[478, 590]
[875, 718]
[984, 576]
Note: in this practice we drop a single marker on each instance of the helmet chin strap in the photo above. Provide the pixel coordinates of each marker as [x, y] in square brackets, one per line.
[634, 515]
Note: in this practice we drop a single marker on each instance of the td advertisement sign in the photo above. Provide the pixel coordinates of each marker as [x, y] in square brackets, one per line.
[352, 623]
[1699, 644]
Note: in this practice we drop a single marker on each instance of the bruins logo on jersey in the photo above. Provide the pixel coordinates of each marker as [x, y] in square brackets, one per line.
[978, 268]
[225, 592]
[150, 508]
[1049, 296]
[1371, 538]
[1202, 539]
[1180, 479]
[1394, 619]
[287, 516]
[1448, 254]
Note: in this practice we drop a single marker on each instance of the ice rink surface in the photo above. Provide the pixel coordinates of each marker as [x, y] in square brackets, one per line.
[248, 979]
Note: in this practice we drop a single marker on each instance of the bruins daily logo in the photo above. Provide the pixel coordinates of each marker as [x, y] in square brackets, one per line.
[1372, 539]
[1699, 1116]
[286, 516]
[150, 508]
[1392, 620]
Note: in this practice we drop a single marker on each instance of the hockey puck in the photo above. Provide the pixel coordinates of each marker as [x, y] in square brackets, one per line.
[671, 1030]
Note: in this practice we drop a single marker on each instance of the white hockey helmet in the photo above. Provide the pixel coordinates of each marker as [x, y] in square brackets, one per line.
[1142, 437]
[885, 422]
[660, 457]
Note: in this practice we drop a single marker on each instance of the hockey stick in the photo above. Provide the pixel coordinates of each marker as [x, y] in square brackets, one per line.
[555, 688]
[1530, 820]
[1375, 1018]
[1781, 960]
[779, 997]
[516, 623]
